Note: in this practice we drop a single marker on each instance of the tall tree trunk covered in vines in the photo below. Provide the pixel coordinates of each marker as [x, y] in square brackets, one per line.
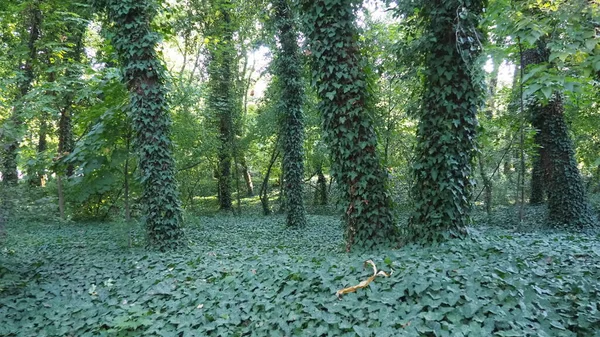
[338, 70]
[135, 43]
[288, 68]
[447, 120]
[567, 200]
[25, 79]
[220, 100]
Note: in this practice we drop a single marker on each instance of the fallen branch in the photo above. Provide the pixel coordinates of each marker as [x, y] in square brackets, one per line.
[364, 283]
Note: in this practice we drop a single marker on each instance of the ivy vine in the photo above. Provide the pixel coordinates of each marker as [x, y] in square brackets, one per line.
[288, 68]
[450, 44]
[555, 159]
[338, 71]
[143, 74]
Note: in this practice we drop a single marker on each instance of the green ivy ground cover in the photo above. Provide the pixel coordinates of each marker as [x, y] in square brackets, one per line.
[252, 277]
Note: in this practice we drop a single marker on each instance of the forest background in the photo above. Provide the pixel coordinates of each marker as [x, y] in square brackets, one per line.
[243, 128]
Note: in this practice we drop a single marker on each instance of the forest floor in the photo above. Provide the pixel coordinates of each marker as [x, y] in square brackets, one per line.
[249, 276]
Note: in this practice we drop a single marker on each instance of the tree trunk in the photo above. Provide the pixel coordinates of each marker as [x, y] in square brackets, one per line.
[38, 175]
[289, 72]
[537, 177]
[12, 143]
[61, 197]
[321, 190]
[345, 104]
[135, 43]
[247, 177]
[264, 188]
[448, 122]
[221, 100]
[126, 179]
[567, 199]
[487, 186]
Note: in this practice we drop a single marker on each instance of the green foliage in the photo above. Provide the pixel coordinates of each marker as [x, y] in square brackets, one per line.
[143, 74]
[13, 128]
[450, 43]
[288, 67]
[342, 86]
[253, 277]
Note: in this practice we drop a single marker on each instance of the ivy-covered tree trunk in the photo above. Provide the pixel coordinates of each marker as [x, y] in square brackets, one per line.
[338, 70]
[567, 200]
[447, 120]
[289, 71]
[220, 100]
[25, 79]
[143, 74]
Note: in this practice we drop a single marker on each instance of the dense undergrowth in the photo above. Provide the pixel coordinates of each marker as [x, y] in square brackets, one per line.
[249, 276]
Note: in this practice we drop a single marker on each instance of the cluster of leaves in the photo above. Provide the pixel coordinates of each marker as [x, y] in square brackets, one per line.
[342, 86]
[135, 43]
[449, 43]
[251, 276]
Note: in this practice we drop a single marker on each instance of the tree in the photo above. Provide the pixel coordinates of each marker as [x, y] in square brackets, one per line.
[221, 93]
[13, 129]
[288, 67]
[559, 45]
[567, 200]
[450, 43]
[342, 85]
[143, 74]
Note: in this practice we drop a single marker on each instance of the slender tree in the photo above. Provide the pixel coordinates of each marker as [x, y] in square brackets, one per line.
[288, 67]
[447, 119]
[221, 91]
[33, 20]
[143, 74]
[338, 70]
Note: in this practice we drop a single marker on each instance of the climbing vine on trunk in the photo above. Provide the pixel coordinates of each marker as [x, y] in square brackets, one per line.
[450, 44]
[342, 86]
[288, 67]
[555, 162]
[143, 74]
[221, 95]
